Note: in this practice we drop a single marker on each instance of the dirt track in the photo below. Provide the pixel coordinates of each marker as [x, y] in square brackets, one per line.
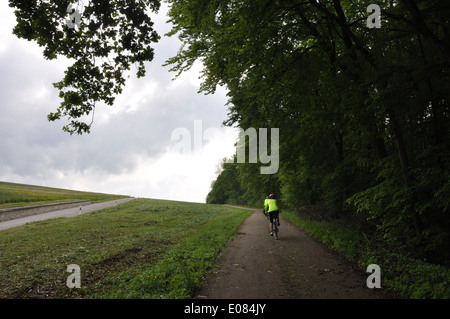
[256, 266]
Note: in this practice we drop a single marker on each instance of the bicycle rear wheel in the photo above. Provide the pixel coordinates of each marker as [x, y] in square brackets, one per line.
[275, 228]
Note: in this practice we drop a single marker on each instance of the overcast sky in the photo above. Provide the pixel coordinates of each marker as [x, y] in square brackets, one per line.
[130, 149]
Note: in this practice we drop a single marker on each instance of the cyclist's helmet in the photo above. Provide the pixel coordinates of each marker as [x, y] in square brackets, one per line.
[272, 196]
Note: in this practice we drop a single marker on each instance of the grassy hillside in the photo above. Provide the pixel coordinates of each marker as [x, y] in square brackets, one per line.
[17, 195]
[141, 249]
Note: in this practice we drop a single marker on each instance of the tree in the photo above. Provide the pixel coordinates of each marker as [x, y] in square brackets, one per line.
[363, 113]
[104, 38]
[226, 188]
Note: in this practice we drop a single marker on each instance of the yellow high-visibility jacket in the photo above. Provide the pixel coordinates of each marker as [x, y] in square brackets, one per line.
[270, 205]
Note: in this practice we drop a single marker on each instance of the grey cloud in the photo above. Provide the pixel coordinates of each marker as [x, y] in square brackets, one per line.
[30, 146]
[30, 143]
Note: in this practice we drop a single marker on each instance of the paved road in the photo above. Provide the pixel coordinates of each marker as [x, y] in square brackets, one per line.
[256, 266]
[69, 212]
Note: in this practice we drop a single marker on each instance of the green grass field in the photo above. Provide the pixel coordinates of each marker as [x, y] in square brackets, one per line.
[18, 195]
[141, 249]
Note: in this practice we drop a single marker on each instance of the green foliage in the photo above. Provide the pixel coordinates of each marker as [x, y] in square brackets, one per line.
[235, 186]
[111, 36]
[363, 113]
[414, 216]
[226, 188]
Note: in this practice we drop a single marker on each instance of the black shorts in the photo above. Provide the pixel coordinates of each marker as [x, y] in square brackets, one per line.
[274, 213]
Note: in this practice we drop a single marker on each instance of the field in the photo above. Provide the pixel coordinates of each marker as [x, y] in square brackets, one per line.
[17, 195]
[142, 249]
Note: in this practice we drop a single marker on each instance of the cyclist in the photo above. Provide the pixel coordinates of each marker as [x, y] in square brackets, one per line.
[271, 207]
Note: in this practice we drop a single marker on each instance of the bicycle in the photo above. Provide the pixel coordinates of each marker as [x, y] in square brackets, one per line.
[275, 226]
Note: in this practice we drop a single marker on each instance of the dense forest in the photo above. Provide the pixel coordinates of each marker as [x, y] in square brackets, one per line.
[362, 111]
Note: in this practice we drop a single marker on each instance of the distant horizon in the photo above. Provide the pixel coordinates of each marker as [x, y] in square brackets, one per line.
[96, 192]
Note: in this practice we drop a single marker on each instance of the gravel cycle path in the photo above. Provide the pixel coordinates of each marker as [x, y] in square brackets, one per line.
[256, 266]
